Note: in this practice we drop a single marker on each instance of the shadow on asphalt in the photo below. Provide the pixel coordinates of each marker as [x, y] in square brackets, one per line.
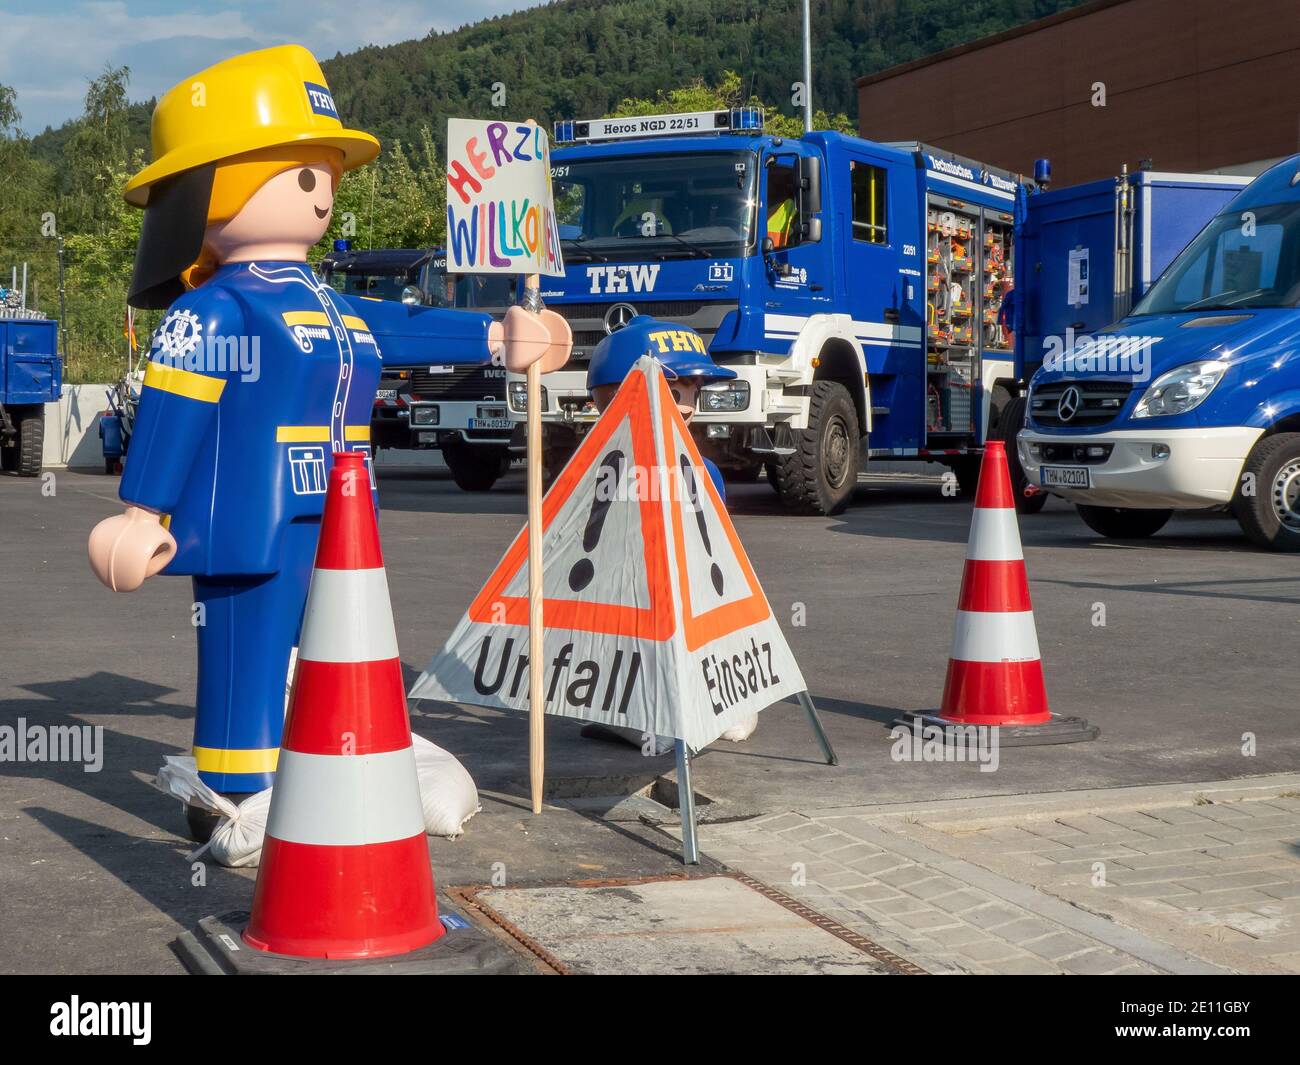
[161, 875]
[78, 703]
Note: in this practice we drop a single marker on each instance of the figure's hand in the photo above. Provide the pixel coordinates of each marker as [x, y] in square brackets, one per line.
[129, 547]
[496, 341]
[543, 338]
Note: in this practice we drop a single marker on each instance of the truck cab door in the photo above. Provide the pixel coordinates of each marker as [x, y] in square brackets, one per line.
[883, 253]
[795, 256]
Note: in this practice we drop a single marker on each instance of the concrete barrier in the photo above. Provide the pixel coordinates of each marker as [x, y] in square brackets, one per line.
[72, 428]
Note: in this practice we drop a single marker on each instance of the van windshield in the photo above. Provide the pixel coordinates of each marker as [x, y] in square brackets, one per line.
[1241, 260]
[691, 205]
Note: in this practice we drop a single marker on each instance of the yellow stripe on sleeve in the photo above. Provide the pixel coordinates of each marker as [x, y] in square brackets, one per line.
[183, 382]
[317, 434]
[302, 434]
[305, 318]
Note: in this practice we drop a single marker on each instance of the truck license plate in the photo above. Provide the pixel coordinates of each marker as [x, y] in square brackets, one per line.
[490, 423]
[1066, 477]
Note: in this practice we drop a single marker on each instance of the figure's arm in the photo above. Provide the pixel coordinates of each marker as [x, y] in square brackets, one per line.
[178, 408]
[403, 332]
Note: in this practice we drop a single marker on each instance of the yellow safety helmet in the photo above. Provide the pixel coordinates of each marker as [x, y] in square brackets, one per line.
[250, 116]
[276, 96]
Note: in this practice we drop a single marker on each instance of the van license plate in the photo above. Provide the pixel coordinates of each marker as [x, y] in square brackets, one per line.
[1066, 477]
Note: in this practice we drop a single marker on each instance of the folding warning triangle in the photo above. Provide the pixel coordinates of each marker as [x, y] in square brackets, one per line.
[654, 618]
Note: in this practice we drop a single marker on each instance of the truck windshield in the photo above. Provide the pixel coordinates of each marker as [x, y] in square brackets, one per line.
[466, 292]
[688, 205]
[1242, 259]
[385, 285]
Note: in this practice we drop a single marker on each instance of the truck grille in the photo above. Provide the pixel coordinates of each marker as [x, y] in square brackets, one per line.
[1098, 403]
[474, 382]
[587, 320]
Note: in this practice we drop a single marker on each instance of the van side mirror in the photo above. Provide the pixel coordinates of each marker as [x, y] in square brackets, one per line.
[810, 180]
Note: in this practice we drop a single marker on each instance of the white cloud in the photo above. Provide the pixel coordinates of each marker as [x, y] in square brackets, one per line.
[49, 53]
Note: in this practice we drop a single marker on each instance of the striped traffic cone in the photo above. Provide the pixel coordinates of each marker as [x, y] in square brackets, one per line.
[345, 868]
[995, 673]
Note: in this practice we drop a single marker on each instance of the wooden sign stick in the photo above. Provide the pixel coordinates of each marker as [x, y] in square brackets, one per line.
[536, 691]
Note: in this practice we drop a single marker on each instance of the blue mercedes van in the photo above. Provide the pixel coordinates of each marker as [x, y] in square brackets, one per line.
[1193, 399]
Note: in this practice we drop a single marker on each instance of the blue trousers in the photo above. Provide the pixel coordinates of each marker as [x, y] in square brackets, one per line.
[250, 624]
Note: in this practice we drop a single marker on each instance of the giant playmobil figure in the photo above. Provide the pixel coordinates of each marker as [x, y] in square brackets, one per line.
[258, 374]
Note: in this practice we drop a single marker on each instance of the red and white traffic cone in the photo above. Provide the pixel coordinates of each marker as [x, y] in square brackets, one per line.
[345, 867]
[995, 673]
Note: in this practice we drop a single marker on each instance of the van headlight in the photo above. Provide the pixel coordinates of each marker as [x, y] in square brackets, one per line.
[727, 396]
[1180, 390]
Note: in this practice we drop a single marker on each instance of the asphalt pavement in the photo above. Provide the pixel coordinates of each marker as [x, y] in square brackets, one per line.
[1193, 676]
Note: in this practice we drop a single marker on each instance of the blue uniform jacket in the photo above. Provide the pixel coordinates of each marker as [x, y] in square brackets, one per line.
[255, 379]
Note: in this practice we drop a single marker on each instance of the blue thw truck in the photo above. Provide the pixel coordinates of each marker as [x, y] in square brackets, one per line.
[1191, 399]
[854, 287]
[31, 375]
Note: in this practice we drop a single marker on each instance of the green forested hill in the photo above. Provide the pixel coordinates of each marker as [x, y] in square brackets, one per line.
[580, 57]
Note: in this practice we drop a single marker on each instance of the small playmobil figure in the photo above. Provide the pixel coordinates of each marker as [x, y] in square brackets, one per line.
[258, 375]
[685, 360]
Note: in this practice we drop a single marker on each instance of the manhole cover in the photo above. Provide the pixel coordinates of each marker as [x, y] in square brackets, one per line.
[706, 925]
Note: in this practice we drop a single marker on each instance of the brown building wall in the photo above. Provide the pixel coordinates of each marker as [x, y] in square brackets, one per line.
[1190, 84]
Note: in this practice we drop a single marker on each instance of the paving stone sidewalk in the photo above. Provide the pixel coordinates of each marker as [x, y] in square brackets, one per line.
[1172, 878]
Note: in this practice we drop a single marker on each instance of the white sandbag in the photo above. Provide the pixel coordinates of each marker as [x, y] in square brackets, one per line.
[742, 730]
[447, 794]
[447, 791]
[237, 840]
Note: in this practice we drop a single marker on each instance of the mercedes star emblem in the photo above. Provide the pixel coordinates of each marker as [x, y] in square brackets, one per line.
[1069, 403]
[618, 316]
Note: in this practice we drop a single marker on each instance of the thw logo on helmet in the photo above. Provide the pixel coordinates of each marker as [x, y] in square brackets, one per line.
[321, 99]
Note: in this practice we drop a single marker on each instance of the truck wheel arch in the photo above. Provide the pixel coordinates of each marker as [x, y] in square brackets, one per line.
[839, 360]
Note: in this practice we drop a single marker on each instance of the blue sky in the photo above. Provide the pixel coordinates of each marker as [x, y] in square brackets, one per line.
[50, 49]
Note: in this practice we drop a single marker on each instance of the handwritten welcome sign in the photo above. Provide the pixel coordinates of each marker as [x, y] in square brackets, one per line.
[500, 214]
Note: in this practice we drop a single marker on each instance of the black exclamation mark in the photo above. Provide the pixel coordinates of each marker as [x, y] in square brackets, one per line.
[607, 480]
[692, 493]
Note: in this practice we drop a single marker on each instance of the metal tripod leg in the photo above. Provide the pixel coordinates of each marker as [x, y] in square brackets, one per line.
[805, 700]
[686, 804]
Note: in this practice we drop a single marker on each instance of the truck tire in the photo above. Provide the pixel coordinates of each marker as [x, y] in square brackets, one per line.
[1270, 516]
[820, 476]
[1006, 430]
[475, 469]
[31, 441]
[1124, 523]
